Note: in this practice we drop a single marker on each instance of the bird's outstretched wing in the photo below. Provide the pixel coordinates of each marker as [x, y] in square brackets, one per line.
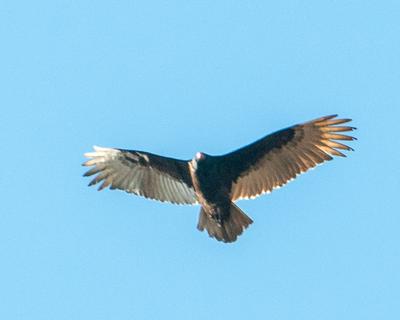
[279, 157]
[141, 173]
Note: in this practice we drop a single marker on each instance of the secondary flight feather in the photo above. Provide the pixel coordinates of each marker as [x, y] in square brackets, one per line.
[216, 182]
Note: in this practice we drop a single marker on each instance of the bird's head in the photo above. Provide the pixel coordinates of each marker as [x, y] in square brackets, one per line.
[199, 157]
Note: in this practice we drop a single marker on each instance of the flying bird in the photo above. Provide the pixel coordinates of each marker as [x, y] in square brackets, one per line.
[216, 182]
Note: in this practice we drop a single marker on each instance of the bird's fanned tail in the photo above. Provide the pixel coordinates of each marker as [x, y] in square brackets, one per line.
[229, 228]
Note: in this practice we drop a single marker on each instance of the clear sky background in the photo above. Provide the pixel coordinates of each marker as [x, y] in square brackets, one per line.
[176, 77]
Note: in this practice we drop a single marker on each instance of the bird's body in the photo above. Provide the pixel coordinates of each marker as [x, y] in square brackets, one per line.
[208, 190]
[213, 195]
[216, 182]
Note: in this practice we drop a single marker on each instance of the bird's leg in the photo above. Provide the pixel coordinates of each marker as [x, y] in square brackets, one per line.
[219, 213]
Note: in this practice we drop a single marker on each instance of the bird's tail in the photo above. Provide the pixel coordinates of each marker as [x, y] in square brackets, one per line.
[226, 229]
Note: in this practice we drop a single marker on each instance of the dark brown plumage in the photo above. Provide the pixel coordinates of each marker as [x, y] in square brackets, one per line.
[215, 182]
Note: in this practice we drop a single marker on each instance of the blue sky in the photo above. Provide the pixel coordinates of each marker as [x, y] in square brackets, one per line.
[176, 77]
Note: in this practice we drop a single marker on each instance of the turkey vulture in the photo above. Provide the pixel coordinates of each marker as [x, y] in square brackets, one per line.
[216, 182]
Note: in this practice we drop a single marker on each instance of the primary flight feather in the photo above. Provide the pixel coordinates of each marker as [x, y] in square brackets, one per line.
[215, 182]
